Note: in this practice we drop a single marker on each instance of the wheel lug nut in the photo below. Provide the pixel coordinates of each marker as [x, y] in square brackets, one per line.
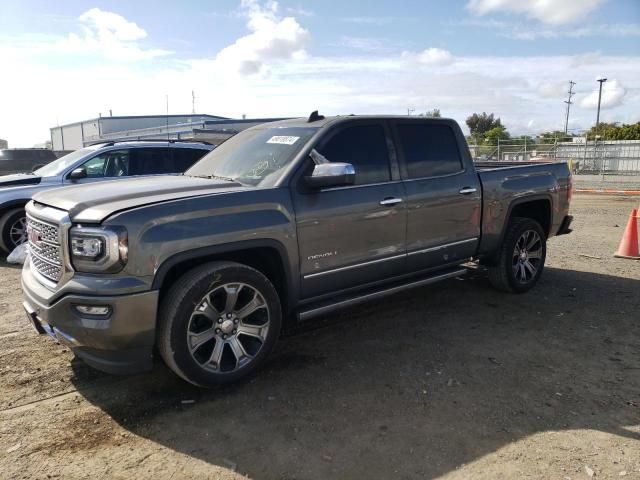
[234, 330]
[220, 320]
[228, 315]
[224, 336]
[217, 330]
[236, 321]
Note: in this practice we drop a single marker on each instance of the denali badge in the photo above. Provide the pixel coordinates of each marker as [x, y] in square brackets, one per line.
[321, 255]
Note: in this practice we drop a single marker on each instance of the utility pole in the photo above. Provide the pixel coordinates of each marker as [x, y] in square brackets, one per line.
[167, 117]
[568, 102]
[410, 111]
[600, 80]
[193, 102]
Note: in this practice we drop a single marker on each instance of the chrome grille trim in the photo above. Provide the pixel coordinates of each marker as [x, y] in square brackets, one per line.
[49, 259]
[46, 252]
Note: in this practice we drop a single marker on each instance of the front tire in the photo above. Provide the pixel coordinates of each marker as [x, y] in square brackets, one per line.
[521, 257]
[13, 229]
[218, 323]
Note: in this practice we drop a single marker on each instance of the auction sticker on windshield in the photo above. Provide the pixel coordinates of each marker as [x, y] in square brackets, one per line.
[283, 140]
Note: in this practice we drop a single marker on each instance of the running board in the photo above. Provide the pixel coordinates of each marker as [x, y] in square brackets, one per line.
[357, 299]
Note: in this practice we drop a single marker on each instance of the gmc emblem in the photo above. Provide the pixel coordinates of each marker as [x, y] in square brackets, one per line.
[34, 236]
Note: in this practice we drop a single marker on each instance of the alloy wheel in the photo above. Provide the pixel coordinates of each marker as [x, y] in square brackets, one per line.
[228, 327]
[527, 256]
[18, 232]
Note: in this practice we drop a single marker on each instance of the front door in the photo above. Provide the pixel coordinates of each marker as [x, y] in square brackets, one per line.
[352, 235]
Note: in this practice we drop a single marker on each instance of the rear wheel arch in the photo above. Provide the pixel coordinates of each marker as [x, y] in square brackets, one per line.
[538, 208]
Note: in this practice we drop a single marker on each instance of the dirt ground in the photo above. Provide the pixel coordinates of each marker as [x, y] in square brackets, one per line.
[452, 381]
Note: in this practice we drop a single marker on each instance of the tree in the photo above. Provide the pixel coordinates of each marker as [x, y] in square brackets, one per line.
[435, 113]
[480, 123]
[615, 131]
[492, 136]
[552, 137]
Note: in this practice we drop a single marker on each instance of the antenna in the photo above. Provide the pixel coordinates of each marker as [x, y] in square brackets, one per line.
[193, 102]
[568, 102]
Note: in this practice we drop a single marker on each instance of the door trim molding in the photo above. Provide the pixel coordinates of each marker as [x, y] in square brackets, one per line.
[385, 259]
[351, 267]
[443, 246]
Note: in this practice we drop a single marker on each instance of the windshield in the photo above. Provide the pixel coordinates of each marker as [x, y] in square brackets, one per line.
[60, 165]
[254, 157]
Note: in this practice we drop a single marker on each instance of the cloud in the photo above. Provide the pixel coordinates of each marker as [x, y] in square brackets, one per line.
[553, 12]
[300, 11]
[107, 34]
[589, 58]
[430, 57]
[366, 44]
[612, 95]
[271, 38]
[552, 89]
[292, 82]
[372, 21]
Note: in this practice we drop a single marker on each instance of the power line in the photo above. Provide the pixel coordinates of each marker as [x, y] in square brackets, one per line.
[568, 102]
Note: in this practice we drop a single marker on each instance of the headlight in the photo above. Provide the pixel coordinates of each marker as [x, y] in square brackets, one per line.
[98, 249]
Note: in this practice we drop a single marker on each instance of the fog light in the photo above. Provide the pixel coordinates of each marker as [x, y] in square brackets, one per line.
[99, 310]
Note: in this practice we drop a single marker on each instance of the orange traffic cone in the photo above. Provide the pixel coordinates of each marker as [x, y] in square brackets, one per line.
[628, 247]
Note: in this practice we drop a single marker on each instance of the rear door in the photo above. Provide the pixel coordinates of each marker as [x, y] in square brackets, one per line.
[352, 235]
[443, 193]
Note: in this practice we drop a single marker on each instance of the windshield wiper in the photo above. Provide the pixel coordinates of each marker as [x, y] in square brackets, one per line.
[215, 177]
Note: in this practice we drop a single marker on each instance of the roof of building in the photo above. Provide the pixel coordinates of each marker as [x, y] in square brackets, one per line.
[129, 117]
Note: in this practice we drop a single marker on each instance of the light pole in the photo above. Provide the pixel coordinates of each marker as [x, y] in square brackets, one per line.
[600, 80]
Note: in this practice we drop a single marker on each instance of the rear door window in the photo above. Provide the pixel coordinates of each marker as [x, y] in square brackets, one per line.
[363, 146]
[429, 149]
[183, 158]
[150, 161]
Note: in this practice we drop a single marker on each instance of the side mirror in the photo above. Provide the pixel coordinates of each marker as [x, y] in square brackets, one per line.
[78, 173]
[331, 175]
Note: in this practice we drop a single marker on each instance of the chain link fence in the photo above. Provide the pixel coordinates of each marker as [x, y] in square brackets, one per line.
[621, 157]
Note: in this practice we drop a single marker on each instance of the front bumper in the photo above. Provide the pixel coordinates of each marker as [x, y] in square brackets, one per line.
[119, 342]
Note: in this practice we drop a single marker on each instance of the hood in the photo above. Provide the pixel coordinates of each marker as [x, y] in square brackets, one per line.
[94, 202]
[19, 179]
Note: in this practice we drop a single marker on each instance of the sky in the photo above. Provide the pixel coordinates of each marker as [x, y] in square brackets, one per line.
[63, 62]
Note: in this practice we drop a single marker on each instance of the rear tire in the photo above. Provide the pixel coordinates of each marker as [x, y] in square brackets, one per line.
[521, 257]
[218, 323]
[13, 229]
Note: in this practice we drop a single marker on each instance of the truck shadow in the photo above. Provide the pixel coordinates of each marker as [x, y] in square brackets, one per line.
[414, 385]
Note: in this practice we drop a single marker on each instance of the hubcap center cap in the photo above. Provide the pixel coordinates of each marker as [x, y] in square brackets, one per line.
[227, 326]
[523, 256]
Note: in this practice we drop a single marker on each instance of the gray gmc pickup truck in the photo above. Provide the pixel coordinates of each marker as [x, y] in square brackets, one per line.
[283, 222]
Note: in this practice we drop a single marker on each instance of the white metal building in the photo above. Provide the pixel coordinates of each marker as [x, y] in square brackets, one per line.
[209, 128]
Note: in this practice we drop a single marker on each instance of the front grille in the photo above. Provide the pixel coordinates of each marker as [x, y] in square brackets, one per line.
[46, 269]
[45, 248]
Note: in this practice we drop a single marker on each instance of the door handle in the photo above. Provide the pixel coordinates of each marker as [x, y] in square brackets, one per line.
[390, 201]
[467, 190]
